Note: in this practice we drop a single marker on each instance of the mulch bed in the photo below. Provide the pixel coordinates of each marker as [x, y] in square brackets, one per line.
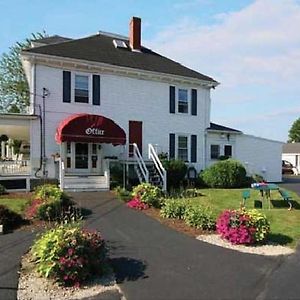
[176, 224]
[18, 195]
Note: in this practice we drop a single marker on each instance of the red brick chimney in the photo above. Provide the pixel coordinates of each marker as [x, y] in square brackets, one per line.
[135, 34]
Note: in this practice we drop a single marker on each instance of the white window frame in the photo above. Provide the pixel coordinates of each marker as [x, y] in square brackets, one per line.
[188, 100]
[73, 76]
[188, 145]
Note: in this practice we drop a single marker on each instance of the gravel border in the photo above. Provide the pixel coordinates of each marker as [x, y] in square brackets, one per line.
[269, 249]
[33, 287]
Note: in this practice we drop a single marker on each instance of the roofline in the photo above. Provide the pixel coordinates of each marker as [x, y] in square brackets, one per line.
[221, 130]
[289, 153]
[18, 116]
[109, 68]
[265, 139]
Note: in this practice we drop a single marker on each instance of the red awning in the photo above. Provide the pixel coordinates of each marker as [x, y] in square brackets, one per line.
[87, 128]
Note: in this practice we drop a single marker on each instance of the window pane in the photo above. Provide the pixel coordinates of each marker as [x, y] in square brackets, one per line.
[183, 95]
[81, 82]
[182, 148]
[183, 107]
[228, 150]
[214, 151]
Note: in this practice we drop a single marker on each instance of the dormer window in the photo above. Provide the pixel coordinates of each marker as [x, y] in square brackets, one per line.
[81, 88]
[183, 103]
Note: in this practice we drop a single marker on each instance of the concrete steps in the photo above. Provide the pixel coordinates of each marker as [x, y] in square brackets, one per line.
[85, 183]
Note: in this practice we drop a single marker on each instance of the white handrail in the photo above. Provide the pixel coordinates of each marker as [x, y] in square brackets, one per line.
[138, 157]
[61, 174]
[161, 170]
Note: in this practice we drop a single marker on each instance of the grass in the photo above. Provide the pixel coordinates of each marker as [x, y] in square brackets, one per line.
[15, 204]
[285, 225]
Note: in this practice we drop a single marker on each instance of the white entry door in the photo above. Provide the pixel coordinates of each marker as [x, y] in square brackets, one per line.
[83, 158]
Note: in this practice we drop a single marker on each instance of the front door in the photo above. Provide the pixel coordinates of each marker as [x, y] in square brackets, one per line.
[83, 158]
[135, 136]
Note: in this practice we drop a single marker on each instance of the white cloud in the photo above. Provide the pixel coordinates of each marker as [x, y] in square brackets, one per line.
[259, 44]
[254, 53]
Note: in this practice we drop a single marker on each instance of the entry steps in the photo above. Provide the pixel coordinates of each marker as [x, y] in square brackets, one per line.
[87, 183]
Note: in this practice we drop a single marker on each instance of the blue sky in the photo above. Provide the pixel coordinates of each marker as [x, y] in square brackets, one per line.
[251, 47]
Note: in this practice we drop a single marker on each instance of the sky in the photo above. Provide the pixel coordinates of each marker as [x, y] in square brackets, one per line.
[252, 47]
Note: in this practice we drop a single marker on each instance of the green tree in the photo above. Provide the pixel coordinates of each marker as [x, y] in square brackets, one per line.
[14, 90]
[294, 132]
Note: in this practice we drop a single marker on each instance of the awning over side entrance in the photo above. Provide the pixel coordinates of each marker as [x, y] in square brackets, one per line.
[86, 128]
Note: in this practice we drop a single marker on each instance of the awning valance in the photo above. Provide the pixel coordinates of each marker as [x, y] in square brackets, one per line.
[86, 128]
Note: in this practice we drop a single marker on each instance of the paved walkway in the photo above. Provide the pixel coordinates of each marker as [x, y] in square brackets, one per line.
[155, 262]
[12, 247]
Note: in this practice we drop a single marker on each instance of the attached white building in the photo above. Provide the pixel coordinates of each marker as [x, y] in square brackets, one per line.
[106, 97]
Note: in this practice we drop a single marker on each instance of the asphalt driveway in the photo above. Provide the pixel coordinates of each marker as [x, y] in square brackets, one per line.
[154, 262]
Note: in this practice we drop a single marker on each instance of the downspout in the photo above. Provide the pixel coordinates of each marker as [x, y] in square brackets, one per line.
[41, 150]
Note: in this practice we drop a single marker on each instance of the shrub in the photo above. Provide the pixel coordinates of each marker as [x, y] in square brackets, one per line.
[225, 174]
[69, 254]
[49, 203]
[122, 194]
[2, 190]
[116, 174]
[176, 172]
[136, 203]
[198, 216]
[48, 191]
[243, 227]
[173, 208]
[8, 218]
[148, 194]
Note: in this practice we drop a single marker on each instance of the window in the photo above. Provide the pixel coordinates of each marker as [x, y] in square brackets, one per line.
[182, 148]
[183, 104]
[228, 150]
[214, 151]
[81, 88]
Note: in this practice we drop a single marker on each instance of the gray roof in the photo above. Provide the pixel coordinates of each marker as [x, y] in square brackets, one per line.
[217, 127]
[291, 148]
[100, 48]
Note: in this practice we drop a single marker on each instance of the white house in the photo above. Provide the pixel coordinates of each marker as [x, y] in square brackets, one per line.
[291, 153]
[104, 98]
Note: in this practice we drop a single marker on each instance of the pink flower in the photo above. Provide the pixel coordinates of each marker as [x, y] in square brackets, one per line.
[70, 251]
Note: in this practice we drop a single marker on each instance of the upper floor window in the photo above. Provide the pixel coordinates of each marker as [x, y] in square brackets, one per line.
[214, 151]
[183, 104]
[182, 148]
[82, 88]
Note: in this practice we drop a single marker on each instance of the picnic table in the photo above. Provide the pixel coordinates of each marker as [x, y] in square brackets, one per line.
[265, 190]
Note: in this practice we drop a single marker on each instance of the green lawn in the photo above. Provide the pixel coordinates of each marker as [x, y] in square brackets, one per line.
[15, 204]
[285, 225]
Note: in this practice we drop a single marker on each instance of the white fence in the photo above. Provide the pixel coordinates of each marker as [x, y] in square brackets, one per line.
[16, 167]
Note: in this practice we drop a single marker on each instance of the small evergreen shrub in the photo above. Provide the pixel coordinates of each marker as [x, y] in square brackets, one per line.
[69, 254]
[173, 208]
[243, 227]
[225, 174]
[148, 194]
[9, 219]
[176, 172]
[2, 190]
[196, 215]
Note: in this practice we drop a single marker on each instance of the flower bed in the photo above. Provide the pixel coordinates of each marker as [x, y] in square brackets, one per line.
[243, 227]
[69, 254]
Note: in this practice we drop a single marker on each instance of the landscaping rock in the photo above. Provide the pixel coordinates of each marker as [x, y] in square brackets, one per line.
[33, 287]
[269, 249]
